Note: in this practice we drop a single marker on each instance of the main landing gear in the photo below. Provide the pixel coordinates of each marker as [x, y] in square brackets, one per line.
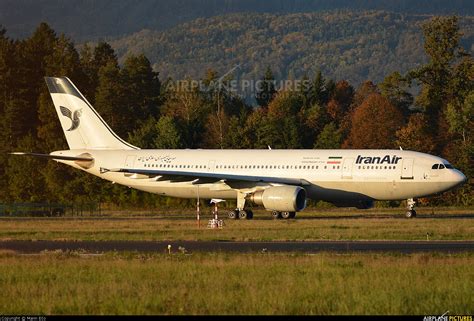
[240, 214]
[283, 215]
[410, 213]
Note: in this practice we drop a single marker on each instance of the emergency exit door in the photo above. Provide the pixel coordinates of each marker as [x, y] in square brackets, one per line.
[347, 168]
[130, 161]
[407, 168]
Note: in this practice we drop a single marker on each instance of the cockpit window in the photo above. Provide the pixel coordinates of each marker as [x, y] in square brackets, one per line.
[442, 166]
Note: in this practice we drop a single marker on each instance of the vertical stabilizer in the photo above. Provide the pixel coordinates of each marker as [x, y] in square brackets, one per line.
[82, 125]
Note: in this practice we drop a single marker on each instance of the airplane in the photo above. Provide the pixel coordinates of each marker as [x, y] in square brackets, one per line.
[279, 180]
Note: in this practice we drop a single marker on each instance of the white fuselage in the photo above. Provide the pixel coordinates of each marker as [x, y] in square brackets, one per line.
[333, 175]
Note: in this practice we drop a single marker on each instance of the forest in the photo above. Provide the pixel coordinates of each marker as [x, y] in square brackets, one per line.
[343, 45]
[91, 20]
[150, 112]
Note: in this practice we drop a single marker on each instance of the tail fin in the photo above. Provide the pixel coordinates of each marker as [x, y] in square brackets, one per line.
[82, 125]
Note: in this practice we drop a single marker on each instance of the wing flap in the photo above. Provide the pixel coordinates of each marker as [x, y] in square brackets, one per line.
[202, 177]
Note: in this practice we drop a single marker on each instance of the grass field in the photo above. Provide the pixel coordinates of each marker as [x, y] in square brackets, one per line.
[131, 283]
[334, 225]
[233, 283]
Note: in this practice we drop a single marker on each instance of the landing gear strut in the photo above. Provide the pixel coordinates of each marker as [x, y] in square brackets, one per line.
[410, 213]
[240, 211]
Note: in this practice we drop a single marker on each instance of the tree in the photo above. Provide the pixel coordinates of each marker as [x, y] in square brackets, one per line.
[168, 136]
[258, 130]
[340, 100]
[394, 88]
[25, 180]
[142, 89]
[460, 117]
[366, 89]
[110, 101]
[145, 135]
[234, 138]
[265, 89]
[442, 46]
[188, 106]
[329, 138]
[415, 135]
[312, 121]
[103, 55]
[318, 94]
[284, 125]
[374, 124]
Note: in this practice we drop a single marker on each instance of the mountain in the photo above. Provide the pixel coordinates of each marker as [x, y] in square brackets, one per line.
[352, 45]
[94, 19]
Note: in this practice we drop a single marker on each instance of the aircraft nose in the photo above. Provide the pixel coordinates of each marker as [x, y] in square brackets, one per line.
[459, 177]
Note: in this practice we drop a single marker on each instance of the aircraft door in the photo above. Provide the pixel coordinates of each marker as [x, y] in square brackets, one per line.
[130, 161]
[211, 166]
[407, 168]
[347, 168]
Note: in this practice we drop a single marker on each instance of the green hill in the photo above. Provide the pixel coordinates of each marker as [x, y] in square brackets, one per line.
[344, 44]
[87, 20]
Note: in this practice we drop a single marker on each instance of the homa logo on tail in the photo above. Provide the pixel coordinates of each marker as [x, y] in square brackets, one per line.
[74, 117]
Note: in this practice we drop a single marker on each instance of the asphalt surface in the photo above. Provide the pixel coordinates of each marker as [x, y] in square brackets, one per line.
[226, 246]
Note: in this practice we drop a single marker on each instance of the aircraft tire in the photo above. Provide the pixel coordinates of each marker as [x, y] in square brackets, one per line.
[243, 214]
[286, 215]
[276, 215]
[233, 215]
[410, 214]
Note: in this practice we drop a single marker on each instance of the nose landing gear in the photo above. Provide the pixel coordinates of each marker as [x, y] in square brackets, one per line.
[410, 213]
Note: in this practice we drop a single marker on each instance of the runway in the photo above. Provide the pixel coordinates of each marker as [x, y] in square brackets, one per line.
[249, 247]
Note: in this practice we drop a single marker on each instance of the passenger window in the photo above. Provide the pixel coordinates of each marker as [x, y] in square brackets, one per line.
[441, 166]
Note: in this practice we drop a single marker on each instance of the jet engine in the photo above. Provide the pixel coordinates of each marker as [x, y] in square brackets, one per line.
[281, 198]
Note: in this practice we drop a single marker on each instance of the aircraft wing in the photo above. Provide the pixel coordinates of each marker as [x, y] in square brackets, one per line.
[203, 178]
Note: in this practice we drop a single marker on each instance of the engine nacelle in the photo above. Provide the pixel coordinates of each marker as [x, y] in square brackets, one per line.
[281, 198]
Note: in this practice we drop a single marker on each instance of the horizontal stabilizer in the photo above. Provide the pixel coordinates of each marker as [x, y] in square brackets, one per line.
[60, 157]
